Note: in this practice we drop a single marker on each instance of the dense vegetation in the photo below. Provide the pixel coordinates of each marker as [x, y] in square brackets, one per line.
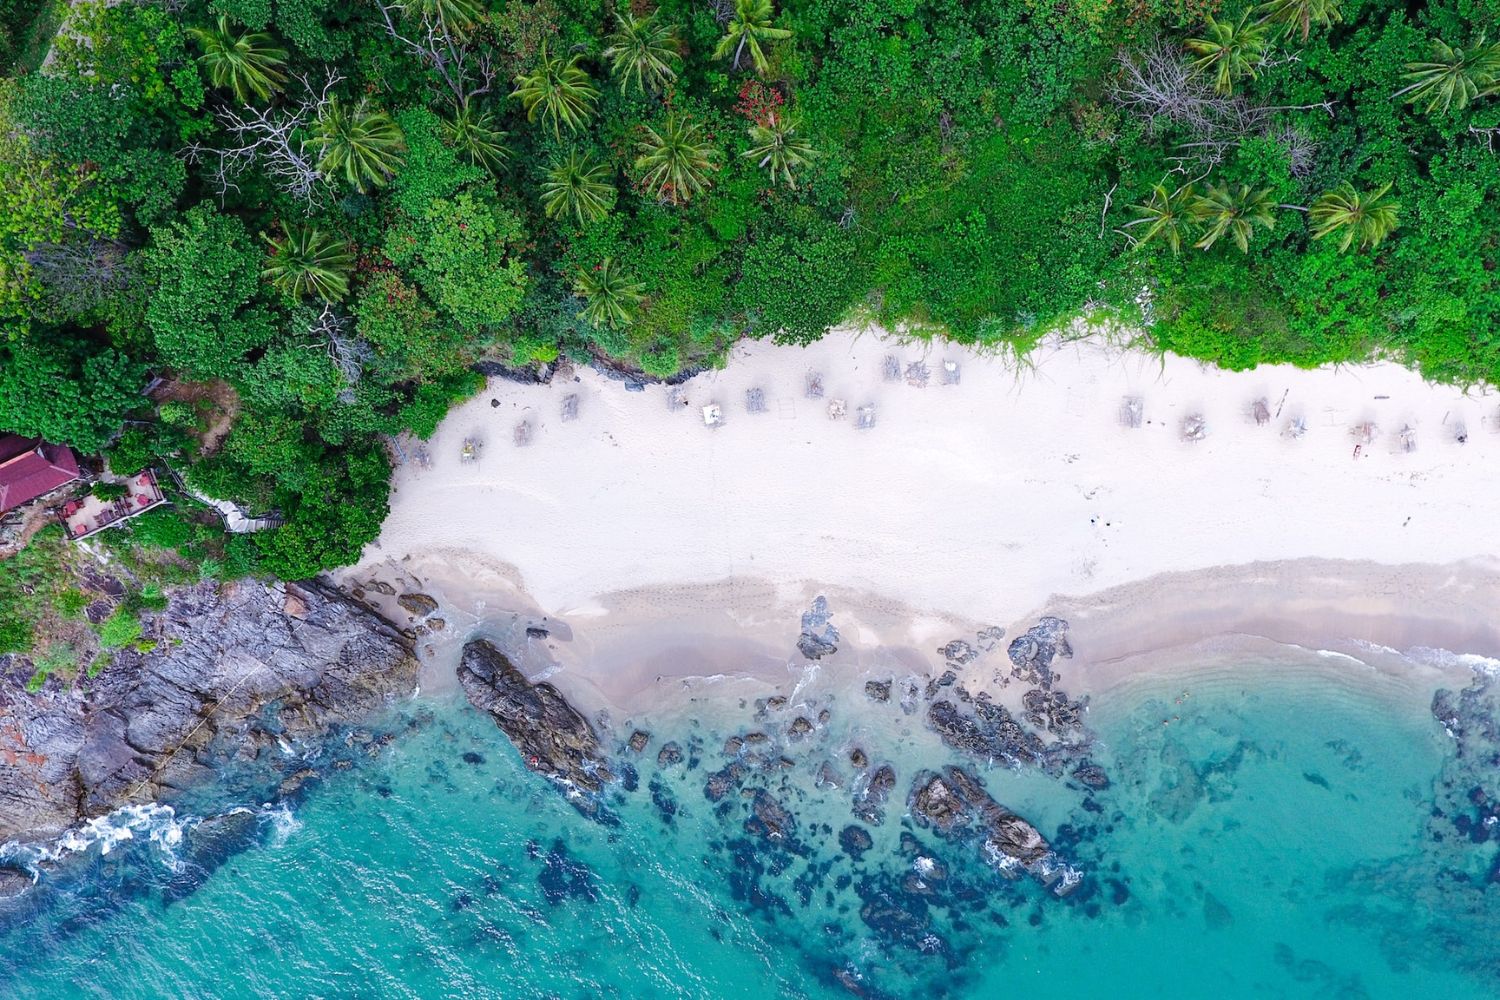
[326, 212]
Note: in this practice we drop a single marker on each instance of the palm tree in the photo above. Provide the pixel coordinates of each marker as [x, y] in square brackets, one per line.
[641, 52]
[455, 17]
[1165, 216]
[748, 27]
[473, 133]
[675, 161]
[1235, 211]
[307, 261]
[578, 187]
[558, 90]
[1367, 217]
[1454, 77]
[362, 144]
[610, 296]
[248, 62]
[1300, 15]
[1229, 50]
[777, 147]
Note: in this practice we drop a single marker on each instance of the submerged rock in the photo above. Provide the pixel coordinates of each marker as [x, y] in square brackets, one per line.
[855, 840]
[869, 800]
[769, 818]
[878, 690]
[670, 754]
[552, 737]
[638, 740]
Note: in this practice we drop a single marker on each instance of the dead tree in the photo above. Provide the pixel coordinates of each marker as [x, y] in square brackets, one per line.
[80, 274]
[465, 74]
[330, 329]
[270, 139]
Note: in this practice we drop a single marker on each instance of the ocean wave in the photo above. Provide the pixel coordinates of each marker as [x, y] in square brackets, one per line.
[159, 824]
[1439, 657]
[281, 822]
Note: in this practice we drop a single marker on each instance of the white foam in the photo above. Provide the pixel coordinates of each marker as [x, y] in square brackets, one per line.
[1439, 657]
[281, 821]
[158, 823]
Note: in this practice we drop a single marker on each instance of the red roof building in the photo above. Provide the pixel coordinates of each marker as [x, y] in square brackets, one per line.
[30, 467]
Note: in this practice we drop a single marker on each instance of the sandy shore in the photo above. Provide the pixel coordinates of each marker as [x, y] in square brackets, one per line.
[658, 549]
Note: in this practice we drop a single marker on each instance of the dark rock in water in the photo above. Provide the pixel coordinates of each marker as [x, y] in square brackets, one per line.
[858, 758]
[733, 746]
[722, 781]
[800, 727]
[910, 693]
[470, 757]
[293, 783]
[13, 882]
[770, 819]
[855, 840]
[669, 755]
[878, 690]
[819, 638]
[143, 729]
[1032, 653]
[898, 917]
[663, 800]
[757, 739]
[562, 878]
[869, 801]
[420, 605]
[638, 740]
[207, 847]
[1053, 711]
[824, 716]
[552, 737]
[827, 777]
[989, 733]
[1091, 775]
[775, 703]
[959, 653]
[1215, 914]
[537, 632]
[955, 804]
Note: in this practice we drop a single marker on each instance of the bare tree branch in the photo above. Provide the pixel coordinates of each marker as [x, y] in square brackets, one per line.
[465, 73]
[269, 138]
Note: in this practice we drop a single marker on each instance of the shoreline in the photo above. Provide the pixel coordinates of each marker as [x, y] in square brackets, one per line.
[643, 652]
[652, 549]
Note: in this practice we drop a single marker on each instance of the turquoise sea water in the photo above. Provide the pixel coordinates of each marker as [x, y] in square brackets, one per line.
[1272, 838]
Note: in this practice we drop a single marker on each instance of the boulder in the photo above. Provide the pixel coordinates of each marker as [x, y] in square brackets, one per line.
[552, 737]
[420, 605]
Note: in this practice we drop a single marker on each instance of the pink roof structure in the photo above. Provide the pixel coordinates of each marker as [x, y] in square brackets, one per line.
[30, 467]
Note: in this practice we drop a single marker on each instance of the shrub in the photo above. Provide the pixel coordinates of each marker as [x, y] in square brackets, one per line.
[121, 628]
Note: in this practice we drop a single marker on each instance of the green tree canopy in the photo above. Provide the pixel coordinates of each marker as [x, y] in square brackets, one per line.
[203, 313]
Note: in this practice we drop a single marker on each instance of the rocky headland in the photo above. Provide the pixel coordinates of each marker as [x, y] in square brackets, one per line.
[236, 672]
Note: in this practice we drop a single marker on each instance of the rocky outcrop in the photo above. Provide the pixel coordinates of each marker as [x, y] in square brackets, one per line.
[819, 638]
[232, 674]
[553, 738]
[955, 804]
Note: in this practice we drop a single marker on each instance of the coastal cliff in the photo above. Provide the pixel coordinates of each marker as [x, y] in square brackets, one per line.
[238, 670]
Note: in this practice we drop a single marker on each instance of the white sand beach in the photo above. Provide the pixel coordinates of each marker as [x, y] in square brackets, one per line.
[1019, 489]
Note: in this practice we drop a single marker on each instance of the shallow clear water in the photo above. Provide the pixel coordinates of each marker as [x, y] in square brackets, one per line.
[1258, 840]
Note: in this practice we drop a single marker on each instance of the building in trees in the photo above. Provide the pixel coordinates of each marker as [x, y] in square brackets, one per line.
[29, 467]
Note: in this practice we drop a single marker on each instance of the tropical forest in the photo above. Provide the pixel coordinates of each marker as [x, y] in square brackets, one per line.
[314, 220]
